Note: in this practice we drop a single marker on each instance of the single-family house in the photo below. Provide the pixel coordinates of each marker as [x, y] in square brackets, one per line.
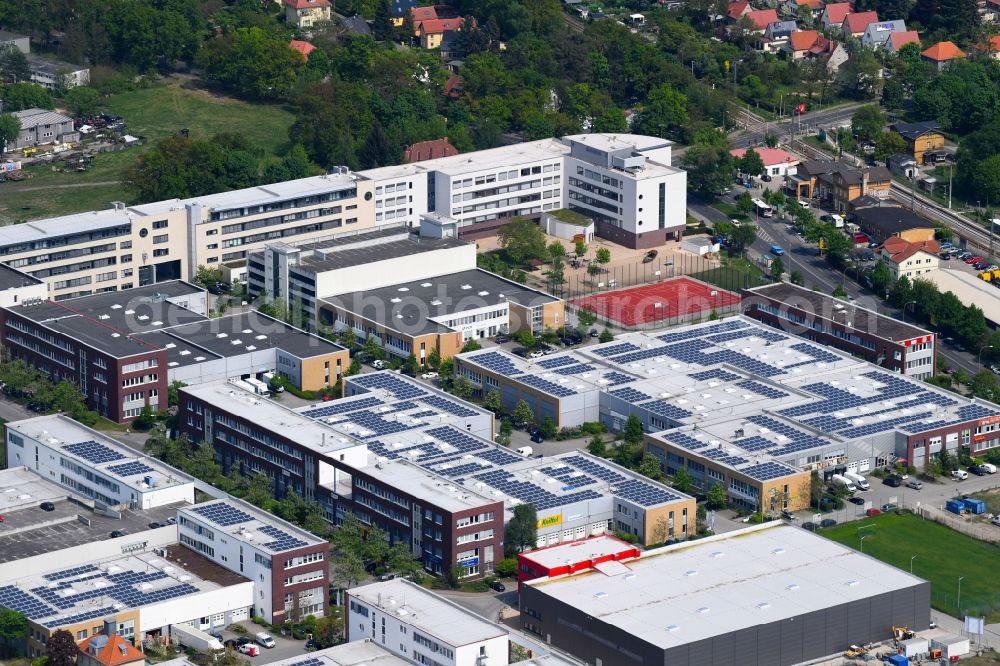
[898, 40]
[836, 55]
[453, 86]
[429, 150]
[834, 14]
[777, 162]
[796, 7]
[856, 23]
[909, 259]
[876, 34]
[776, 35]
[992, 13]
[431, 33]
[903, 165]
[738, 10]
[800, 42]
[306, 13]
[920, 137]
[839, 185]
[885, 222]
[398, 9]
[941, 54]
[761, 18]
[40, 127]
[355, 25]
[991, 47]
[430, 13]
[302, 46]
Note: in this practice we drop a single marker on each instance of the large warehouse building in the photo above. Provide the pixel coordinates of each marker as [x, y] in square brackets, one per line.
[743, 405]
[767, 595]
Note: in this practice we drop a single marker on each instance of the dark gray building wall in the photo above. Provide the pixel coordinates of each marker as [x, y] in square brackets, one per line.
[789, 641]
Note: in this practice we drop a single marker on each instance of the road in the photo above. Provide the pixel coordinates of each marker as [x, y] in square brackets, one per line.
[757, 127]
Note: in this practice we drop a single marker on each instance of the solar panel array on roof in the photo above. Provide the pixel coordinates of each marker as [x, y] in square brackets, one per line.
[130, 469]
[665, 409]
[222, 514]
[94, 452]
[762, 389]
[575, 369]
[81, 617]
[766, 471]
[594, 469]
[375, 424]
[975, 412]
[714, 373]
[615, 378]
[341, 407]
[449, 406]
[311, 661]
[818, 354]
[546, 386]
[22, 602]
[70, 573]
[723, 327]
[401, 390]
[530, 493]
[498, 363]
[644, 494]
[629, 394]
[605, 351]
[282, 540]
[556, 361]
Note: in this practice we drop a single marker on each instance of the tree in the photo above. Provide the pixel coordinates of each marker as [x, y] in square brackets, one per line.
[506, 568]
[82, 101]
[348, 568]
[650, 467]
[751, 163]
[21, 96]
[602, 256]
[523, 413]
[434, 358]
[462, 387]
[795, 277]
[745, 203]
[881, 278]
[13, 632]
[839, 292]
[777, 268]
[382, 26]
[202, 463]
[522, 240]
[260, 490]
[579, 247]
[471, 346]
[373, 347]
[682, 481]
[664, 114]
[493, 401]
[207, 277]
[606, 336]
[586, 317]
[709, 165]
[862, 75]
[547, 428]
[252, 62]
[411, 365]
[597, 447]
[10, 129]
[633, 432]
[742, 237]
[522, 529]
[868, 122]
[61, 649]
[556, 250]
[717, 498]
[13, 64]
[888, 144]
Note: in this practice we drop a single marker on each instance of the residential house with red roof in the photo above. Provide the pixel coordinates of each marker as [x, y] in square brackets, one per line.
[795, 7]
[799, 43]
[834, 14]
[109, 649]
[761, 18]
[856, 23]
[306, 13]
[432, 32]
[909, 259]
[942, 53]
[991, 47]
[738, 10]
[878, 32]
[777, 162]
[429, 150]
[898, 40]
[303, 47]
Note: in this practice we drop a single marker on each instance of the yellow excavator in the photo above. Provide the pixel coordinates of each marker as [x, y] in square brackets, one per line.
[902, 633]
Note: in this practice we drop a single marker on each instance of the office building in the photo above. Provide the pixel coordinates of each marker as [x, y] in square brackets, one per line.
[740, 404]
[143, 583]
[624, 182]
[90, 464]
[124, 349]
[289, 566]
[573, 557]
[877, 338]
[422, 627]
[771, 595]
[352, 280]
[17, 288]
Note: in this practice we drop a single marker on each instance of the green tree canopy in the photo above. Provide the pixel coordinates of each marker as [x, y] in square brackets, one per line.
[522, 240]
[21, 96]
[252, 62]
[10, 129]
[751, 163]
[522, 529]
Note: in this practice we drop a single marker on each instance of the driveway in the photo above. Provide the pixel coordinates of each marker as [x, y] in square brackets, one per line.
[284, 647]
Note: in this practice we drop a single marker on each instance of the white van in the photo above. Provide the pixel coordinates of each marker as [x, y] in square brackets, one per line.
[839, 480]
[989, 468]
[959, 475]
[264, 639]
[525, 451]
[859, 481]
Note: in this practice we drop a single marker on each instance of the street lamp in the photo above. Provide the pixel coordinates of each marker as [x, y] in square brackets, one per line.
[906, 306]
[958, 605]
[981, 350]
[863, 543]
[911, 564]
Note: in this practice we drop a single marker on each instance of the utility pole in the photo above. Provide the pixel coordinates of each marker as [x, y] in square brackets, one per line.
[951, 168]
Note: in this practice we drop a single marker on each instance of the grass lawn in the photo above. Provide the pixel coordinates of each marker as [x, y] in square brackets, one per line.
[152, 113]
[736, 274]
[729, 209]
[942, 556]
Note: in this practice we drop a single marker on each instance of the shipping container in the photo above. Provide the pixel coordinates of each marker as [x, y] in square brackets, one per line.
[951, 646]
[976, 506]
[897, 660]
[955, 506]
[913, 647]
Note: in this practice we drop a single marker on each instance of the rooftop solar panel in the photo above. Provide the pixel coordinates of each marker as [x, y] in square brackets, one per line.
[222, 514]
[130, 469]
[94, 452]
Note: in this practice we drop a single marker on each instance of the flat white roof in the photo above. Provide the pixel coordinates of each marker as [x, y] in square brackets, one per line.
[98, 452]
[612, 142]
[356, 653]
[699, 589]
[432, 614]
[62, 226]
[505, 156]
[578, 551]
[20, 487]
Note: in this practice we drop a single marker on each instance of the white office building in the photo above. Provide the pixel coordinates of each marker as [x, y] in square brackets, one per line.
[422, 627]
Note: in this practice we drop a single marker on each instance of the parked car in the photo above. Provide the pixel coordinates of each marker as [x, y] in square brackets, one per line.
[535, 354]
[47, 506]
[893, 481]
[250, 650]
[156, 525]
[804, 203]
[118, 533]
[594, 333]
[766, 177]
[889, 507]
[787, 515]
[959, 475]
[977, 470]
[501, 338]
[776, 250]
[856, 500]
[946, 256]
[429, 375]
[498, 586]
[916, 485]
[809, 526]
[263, 638]
[872, 512]
[828, 522]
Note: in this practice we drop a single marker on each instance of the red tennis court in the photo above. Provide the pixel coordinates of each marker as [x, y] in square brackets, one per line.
[677, 298]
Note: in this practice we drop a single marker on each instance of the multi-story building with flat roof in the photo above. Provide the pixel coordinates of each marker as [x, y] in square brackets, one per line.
[423, 627]
[123, 350]
[289, 566]
[624, 182]
[740, 404]
[877, 338]
[93, 465]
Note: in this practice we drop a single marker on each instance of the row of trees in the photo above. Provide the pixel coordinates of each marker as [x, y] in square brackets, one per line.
[27, 383]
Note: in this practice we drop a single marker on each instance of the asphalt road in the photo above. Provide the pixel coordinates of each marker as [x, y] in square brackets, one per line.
[807, 122]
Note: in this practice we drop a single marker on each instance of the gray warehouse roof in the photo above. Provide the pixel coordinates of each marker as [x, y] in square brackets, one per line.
[714, 586]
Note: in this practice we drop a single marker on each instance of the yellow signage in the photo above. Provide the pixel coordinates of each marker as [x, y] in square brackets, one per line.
[550, 521]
